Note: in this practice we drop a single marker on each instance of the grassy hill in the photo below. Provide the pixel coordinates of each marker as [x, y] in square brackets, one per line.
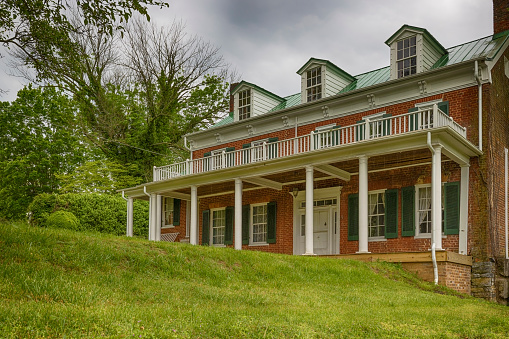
[56, 283]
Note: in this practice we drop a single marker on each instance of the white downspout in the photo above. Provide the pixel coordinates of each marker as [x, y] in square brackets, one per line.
[127, 226]
[506, 226]
[150, 221]
[479, 96]
[188, 148]
[433, 254]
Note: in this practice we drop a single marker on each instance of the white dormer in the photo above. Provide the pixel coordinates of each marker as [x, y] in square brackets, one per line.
[413, 50]
[320, 79]
[251, 100]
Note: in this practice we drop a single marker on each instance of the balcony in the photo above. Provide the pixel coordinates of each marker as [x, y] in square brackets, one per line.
[378, 128]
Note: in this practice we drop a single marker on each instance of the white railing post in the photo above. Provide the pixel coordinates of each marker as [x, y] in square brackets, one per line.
[312, 140]
[223, 159]
[154, 174]
[188, 167]
[264, 150]
[366, 131]
[435, 116]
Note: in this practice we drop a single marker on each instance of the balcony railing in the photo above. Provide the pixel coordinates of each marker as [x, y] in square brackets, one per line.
[367, 130]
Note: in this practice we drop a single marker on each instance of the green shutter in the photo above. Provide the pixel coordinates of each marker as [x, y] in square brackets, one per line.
[271, 222]
[353, 217]
[246, 153]
[413, 119]
[230, 156]
[336, 135]
[386, 127]
[245, 224]
[444, 106]
[228, 232]
[176, 212]
[408, 211]
[359, 129]
[206, 161]
[205, 228]
[451, 207]
[391, 213]
[272, 148]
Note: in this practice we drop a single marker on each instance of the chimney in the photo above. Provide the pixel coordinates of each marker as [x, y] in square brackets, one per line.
[232, 101]
[500, 16]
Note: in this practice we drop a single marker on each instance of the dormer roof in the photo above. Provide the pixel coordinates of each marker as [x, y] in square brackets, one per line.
[329, 65]
[418, 30]
[258, 88]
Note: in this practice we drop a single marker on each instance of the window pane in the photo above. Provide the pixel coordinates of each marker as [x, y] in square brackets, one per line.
[400, 45]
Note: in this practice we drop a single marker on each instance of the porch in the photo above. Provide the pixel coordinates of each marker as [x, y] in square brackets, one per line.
[332, 157]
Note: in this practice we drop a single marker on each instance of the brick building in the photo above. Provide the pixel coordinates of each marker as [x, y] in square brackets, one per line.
[405, 163]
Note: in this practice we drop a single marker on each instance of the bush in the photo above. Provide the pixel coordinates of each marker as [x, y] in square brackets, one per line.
[63, 219]
[95, 212]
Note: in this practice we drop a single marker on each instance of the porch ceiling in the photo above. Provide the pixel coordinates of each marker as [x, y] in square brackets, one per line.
[384, 154]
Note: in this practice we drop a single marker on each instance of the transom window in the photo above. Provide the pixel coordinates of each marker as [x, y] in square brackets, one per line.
[168, 212]
[218, 227]
[424, 217]
[244, 104]
[322, 202]
[407, 57]
[259, 226]
[314, 84]
[376, 214]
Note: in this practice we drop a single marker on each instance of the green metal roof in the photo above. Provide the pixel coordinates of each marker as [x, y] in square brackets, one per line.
[263, 90]
[487, 47]
[225, 121]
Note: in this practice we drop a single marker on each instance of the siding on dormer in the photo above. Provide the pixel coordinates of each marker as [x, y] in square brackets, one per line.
[334, 83]
[430, 55]
[261, 103]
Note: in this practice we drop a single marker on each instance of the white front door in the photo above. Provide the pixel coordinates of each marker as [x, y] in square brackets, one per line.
[323, 231]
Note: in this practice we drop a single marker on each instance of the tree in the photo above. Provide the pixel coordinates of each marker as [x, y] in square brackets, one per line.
[37, 140]
[143, 92]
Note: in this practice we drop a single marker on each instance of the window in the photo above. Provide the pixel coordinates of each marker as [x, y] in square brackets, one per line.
[168, 212]
[244, 104]
[314, 84]
[424, 215]
[376, 214]
[407, 57]
[217, 158]
[259, 224]
[218, 227]
[257, 150]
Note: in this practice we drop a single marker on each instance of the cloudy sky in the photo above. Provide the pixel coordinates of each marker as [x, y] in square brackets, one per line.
[267, 41]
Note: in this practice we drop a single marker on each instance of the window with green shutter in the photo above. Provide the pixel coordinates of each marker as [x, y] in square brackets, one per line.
[245, 224]
[205, 228]
[408, 211]
[272, 145]
[230, 156]
[359, 130]
[451, 207]
[353, 217]
[391, 213]
[176, 212]
[207, 161]
[246, 153]
[412, 119]
[444, 106]
[271, 222]
[228, 235]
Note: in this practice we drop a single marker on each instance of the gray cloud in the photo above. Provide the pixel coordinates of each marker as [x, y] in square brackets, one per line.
[268, 41]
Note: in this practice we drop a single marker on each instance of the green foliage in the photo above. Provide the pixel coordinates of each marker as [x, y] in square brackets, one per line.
[37, 140]
[58, 283]
[99, 176]
[95, 212]
[63, 219]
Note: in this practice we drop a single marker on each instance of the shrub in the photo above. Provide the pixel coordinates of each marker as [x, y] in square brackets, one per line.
[95, 212]
[63, 219]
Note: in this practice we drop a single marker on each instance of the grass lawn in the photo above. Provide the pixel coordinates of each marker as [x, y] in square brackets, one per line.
[56, 283]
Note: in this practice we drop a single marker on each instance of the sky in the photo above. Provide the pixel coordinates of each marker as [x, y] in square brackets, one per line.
[267, 41]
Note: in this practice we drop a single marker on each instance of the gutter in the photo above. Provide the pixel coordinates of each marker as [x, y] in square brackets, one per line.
[479, 97]
[433, 252]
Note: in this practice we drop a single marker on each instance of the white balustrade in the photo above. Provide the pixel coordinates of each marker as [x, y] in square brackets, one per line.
[369, 129]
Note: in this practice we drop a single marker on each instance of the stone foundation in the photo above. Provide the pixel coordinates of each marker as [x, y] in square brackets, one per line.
[483, 280]
[502, 281]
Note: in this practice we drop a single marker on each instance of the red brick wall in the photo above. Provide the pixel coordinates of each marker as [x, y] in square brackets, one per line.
[500, 15]
[180, 229]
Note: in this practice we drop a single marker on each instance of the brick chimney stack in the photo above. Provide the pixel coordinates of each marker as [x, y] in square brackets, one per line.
[232, 101]
[500, 16]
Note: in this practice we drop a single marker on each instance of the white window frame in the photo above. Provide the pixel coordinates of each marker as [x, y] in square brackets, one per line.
[403, 58]
[382, 237]
[245, 104]
[418, 234]
[251, 225]
[377, 125]
[318, 86]
[257, 150]
[163, 210]
[211, 240]
[216, 158]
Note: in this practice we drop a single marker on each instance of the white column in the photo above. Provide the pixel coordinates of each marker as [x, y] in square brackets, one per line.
[238, 214]
[193, 236]
[309, 210]
[130, 216]
[152, 218]
[159, 214]
[436, 197]
[463, 237]
[363, 204]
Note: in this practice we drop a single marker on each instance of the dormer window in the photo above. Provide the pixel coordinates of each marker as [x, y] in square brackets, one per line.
[244, 104]
[314, 84]
[407, 57]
